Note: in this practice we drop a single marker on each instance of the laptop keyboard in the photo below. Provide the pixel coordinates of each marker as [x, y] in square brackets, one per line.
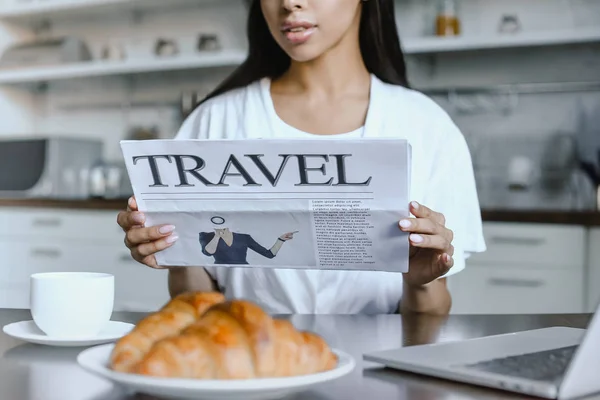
[547, 366]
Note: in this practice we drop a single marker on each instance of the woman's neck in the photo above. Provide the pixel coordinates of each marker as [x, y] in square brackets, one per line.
[338, 72]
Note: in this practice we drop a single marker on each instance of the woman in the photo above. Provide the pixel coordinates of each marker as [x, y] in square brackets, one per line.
[227, 247]
[310, 60]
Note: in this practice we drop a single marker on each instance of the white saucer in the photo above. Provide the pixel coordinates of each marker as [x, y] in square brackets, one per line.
[29, 332]
[95, 360]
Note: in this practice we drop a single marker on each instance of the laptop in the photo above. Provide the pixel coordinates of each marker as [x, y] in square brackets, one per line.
[553, 363]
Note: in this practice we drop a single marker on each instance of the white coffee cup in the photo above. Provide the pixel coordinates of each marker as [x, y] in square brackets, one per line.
[71, 304]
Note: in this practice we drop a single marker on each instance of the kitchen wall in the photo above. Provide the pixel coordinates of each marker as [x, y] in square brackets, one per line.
[52, 110]
[109, 107]
[99, 107]
[500, 127]
[523, 121]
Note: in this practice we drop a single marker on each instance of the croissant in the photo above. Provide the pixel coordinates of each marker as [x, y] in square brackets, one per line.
[177, 314]
[237, 340]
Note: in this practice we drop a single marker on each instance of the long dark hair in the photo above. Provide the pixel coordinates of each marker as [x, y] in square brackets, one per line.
[379, 45]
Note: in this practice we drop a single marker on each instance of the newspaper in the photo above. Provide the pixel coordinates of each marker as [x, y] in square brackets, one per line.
[312, 204]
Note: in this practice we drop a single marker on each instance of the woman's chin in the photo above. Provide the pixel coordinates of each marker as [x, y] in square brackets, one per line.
[303, 55]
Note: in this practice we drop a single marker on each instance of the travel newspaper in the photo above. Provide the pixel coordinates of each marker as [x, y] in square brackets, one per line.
[271, 203]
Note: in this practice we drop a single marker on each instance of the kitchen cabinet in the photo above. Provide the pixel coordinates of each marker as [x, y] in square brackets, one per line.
[593, 276]
[527, 268]
[38, 240]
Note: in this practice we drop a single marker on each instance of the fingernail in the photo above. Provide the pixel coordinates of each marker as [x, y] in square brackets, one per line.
[415, 205]
[130, 201]
[447, 258]
[172, 238]
[416, 238]
[137, 217]
[405, 223]
[166, 229]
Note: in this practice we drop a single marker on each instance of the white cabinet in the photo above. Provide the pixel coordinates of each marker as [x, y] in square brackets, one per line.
[593, 276]
[35, 240]
[527, 268]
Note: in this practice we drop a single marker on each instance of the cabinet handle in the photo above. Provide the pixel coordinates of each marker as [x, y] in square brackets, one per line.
[50, 253]
[515, 282]
[521, 241]
[47, 222]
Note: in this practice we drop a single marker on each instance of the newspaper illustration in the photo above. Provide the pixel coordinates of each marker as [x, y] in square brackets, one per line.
[270, 203]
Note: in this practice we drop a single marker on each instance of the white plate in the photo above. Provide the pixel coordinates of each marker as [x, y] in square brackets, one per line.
[95, 360]
[29, 332]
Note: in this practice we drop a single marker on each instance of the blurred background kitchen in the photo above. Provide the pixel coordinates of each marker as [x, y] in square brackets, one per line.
[521, 78]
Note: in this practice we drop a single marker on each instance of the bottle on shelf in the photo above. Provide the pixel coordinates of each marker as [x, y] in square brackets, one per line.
[447, 21]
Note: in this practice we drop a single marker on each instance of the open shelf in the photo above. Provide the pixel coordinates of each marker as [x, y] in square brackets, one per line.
[430, 45]
[36, 9]
[412, 46]
[108, 68]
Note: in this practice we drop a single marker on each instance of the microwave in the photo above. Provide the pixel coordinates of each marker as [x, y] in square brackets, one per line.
[47, 167]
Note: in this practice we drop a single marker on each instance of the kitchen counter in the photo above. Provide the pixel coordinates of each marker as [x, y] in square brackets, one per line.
[584, 218]
[87, 204]
[36, 372]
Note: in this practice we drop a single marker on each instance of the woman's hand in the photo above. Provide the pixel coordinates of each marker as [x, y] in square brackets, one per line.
[431, 247]
[220, 233]
[287, 236]
[144, 242]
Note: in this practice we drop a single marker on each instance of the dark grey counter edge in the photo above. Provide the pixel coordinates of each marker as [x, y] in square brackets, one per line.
[567, 217]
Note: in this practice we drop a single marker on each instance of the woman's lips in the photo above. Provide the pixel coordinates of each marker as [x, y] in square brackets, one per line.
[298, 32]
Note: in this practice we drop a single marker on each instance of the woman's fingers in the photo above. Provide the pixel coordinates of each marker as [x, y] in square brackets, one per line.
[144, 253]
[421, 211]
[437, 242]
[149, 261]
[450, 250]
[144, 242]
[420, 226]
[446, 262]
[132, 204]
[130, 219]
[426, 226]
[137, 236]
[150, 248]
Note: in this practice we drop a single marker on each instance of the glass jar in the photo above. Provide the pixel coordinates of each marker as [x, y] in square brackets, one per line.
[447, 21]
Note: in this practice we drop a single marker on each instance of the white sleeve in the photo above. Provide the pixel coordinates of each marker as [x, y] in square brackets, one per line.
[452, 191]
[195, 126]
